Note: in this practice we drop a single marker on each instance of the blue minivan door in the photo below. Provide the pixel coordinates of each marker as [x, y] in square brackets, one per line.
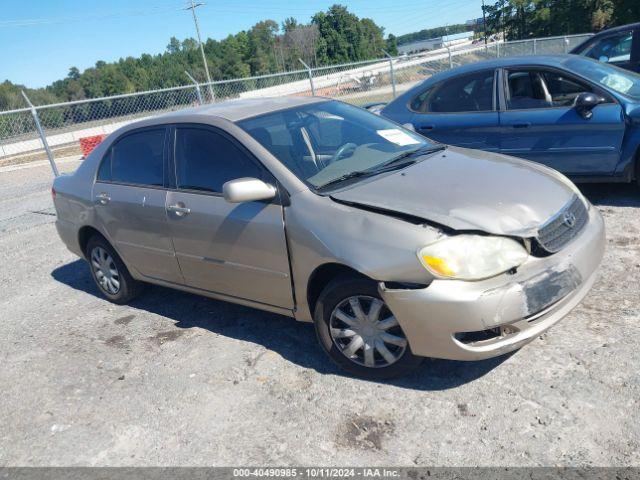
[541, 124]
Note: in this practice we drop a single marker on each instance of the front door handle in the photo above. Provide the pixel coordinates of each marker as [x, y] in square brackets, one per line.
[103, 198]
[522, 125]
[426, 127]
[179, 209]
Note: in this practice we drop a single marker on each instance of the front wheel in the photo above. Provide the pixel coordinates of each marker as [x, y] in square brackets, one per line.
[110, 273]
[359, 332]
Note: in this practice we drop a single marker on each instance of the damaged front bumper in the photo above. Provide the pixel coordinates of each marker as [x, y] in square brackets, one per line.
[462, 320]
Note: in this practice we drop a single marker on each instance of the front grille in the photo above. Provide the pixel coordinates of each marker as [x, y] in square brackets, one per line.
[563, 226]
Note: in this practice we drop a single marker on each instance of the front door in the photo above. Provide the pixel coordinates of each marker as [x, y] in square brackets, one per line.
[459, 111]
[240, 249]
[541, 124]
[130, 197]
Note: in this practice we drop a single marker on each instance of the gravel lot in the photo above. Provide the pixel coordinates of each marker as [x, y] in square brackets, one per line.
[176, 379]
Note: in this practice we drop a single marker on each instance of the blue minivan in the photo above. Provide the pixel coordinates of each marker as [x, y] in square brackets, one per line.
[574, 114]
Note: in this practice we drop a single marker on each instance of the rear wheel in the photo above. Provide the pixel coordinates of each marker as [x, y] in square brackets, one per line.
[109, 272]
[359, 332]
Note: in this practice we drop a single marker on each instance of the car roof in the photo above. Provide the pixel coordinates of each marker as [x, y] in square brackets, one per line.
[240, 109]
[508, 62]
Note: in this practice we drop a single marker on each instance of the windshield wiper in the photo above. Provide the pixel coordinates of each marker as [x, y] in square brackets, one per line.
[412, 153]
[395, 163]
[347, 176]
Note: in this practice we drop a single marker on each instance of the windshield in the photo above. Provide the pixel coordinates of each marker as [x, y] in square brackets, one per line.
[617, 79]
[326, 142]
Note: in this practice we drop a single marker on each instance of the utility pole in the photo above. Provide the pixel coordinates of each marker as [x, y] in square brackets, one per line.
[204, 59]
[484, 24]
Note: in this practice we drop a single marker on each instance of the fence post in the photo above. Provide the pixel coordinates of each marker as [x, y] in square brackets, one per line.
[497, 49]
[391, 72]
[43, 137]
[566, 44]
[535, 46]
[197, 85]
[313, 88]
[450, 59]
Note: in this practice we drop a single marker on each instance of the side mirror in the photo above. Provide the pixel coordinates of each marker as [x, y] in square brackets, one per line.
[247, 190]
[375, 107]
[585, 103]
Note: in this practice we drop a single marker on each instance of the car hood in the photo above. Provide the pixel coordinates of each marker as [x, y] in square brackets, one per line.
[468, 190]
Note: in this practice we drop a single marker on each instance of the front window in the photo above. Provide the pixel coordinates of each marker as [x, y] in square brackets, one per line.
[206, 159]
[537, 88]
[325, 143]
[619, 80]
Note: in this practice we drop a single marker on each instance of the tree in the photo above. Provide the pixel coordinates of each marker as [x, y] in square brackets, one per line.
[392, 45]
[625, 11]
[262, 37]
[174, 46]
[343, 37]
[299, 41]
[74, 73]
[520, 19]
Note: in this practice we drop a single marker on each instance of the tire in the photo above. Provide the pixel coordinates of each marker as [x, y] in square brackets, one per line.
[335, 306]
[110, 273]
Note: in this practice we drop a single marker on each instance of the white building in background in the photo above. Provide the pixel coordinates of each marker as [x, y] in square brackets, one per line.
[435, 43]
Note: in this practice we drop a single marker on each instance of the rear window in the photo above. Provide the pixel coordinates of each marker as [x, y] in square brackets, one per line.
[136, 159]
[467, 93]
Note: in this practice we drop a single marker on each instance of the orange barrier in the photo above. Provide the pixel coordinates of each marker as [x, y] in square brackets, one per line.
[87, 144]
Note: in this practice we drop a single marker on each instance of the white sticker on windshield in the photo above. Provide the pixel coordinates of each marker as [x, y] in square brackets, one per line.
[617, 82]
[398, 137]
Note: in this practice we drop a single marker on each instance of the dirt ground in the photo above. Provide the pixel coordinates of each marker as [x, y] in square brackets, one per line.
[176, 379]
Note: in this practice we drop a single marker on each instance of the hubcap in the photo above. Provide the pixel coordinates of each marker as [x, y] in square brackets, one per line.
[373, 339]
[105, 270]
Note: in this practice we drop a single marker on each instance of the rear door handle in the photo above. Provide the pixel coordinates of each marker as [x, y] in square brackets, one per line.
[103, 198]
[179, 209]
[426, 127]
[522, 125]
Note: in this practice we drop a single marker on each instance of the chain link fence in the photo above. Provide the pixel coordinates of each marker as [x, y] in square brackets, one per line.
[64, 125]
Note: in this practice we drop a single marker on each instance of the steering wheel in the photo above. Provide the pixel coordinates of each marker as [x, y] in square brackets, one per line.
[342, 150]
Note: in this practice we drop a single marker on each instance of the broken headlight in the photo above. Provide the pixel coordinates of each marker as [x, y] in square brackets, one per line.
[472, 257]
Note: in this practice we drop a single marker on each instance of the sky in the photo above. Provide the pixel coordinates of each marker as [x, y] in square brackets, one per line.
[42, 39]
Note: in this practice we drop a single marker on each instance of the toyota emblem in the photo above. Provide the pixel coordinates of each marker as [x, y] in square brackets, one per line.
[569, 219]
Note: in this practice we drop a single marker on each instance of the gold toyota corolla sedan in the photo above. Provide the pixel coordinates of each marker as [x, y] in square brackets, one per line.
[396, 247]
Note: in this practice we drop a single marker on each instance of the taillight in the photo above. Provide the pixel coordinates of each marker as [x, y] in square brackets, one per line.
[53, 193]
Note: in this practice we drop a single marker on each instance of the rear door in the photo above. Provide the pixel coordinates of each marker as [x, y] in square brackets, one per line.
[130, 195]
[539, 123]
[240, 249]
[460, 111]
